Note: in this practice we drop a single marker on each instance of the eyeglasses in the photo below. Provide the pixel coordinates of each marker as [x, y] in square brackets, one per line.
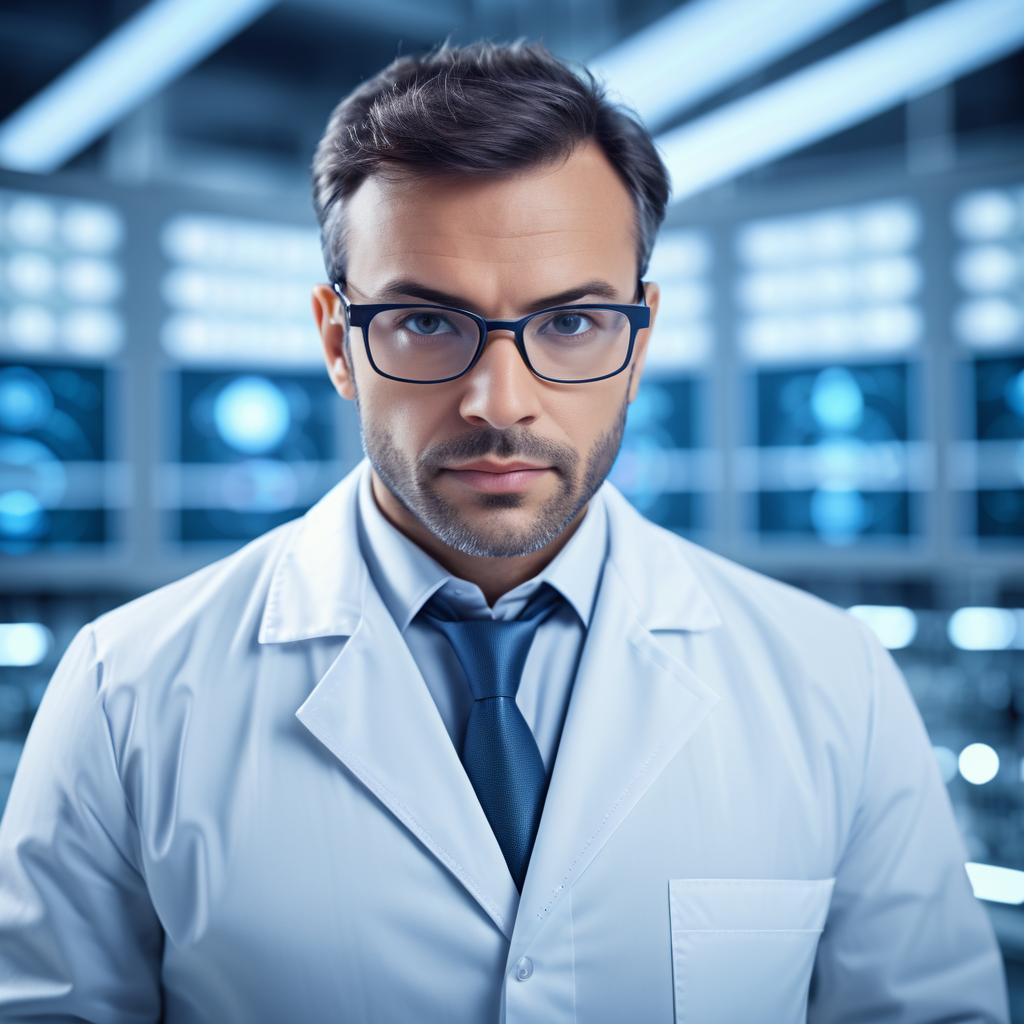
[428, 344]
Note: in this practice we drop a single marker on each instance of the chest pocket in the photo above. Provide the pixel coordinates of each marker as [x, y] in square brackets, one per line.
[743, 948]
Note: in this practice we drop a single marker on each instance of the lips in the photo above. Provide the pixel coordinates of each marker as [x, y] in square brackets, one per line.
[502, 481]
[484, 466]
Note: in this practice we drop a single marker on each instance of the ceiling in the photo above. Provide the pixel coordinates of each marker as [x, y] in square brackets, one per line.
[249, 115]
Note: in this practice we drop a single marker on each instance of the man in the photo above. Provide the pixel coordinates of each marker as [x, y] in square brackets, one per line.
[471, 742]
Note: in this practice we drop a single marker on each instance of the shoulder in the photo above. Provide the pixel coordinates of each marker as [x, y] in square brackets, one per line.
[753, 597]
[779, 630]
[217, 607]
[680, 585]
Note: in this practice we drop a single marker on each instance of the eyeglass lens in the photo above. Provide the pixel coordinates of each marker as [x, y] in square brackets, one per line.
[565, 344]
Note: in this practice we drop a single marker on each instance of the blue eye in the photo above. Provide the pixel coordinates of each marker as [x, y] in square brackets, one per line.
[429, 323]
[568, 324]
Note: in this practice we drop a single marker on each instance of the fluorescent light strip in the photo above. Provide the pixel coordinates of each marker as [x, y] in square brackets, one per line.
[707, 44]
[919, 55]
[163, 40]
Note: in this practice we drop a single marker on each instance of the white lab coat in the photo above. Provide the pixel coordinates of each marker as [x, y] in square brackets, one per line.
[238, 803]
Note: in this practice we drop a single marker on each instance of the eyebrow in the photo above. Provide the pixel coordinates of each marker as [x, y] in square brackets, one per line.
[405, 287]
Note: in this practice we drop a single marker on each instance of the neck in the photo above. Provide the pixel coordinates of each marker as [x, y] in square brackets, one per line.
[494, 576]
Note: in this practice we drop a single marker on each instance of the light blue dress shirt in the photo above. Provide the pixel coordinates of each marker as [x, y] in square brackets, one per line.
[406, 577]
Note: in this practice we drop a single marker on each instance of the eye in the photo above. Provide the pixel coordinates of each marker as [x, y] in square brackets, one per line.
[426, 323]
[567, 324]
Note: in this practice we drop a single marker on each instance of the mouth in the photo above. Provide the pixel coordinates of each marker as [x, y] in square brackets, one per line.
[498, 482]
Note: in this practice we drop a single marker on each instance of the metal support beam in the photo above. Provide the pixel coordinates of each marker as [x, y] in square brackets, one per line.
[165, 39]
[894, 66]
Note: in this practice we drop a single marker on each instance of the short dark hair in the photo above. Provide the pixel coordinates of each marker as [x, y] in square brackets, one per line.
[478, 109]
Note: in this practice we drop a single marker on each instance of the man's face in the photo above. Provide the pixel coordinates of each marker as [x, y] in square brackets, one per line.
[500, 246]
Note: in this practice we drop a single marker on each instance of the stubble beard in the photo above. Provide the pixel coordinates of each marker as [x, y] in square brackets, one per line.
[411, 484]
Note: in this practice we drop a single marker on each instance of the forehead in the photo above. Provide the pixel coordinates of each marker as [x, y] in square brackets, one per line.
[541, 225]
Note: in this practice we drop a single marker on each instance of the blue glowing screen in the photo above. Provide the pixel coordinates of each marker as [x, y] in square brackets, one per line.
[265, 430]
[999, 398]
[663, 420]
[1000, 512]
[809, 406]
[51, 415]
[835, 515]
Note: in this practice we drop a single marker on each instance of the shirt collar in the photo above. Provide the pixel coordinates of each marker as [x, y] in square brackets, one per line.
[406, 576]
[318, 575]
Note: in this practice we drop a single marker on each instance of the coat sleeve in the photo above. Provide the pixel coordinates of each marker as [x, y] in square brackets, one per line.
[79, 939]
[906, 941]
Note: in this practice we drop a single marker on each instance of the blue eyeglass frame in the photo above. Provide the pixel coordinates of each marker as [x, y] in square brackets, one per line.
[360, 315]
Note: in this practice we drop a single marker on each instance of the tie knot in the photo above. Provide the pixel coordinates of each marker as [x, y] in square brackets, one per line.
[492, 652]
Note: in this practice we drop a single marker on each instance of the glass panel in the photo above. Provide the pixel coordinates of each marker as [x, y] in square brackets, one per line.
[423, 343]
[576, 344]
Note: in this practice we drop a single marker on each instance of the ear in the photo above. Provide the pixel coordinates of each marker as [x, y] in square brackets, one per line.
[330, 322]
[643, 337]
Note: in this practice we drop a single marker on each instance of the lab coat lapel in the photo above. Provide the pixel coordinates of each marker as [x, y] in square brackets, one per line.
[634, 707]
[372, 709]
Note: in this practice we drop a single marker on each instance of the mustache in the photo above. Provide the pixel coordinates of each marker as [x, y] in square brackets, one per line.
[499, 444]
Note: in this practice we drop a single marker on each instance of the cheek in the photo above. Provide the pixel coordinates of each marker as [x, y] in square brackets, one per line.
[587, 418]
[410, 421]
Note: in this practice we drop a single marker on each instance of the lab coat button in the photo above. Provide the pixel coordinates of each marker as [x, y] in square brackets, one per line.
[524, 968]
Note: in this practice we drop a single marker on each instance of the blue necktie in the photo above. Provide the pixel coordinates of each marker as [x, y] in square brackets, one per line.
[499, 751]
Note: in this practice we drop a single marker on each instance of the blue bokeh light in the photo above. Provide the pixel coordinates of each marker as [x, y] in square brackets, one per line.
[252, 415]
[23, 644]
[21, 515]
[839, 514]
[837, 400]
[25, 400]
[979, 628]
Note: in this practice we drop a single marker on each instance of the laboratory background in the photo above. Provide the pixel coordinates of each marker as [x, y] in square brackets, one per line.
[834, 392]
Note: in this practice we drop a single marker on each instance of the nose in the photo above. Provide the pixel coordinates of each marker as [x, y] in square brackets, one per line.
[500, 390]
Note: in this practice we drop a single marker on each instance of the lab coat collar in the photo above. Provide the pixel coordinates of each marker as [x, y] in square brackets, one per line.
[318, 584]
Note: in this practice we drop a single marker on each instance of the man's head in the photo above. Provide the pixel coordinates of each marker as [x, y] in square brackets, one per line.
[498, 176]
